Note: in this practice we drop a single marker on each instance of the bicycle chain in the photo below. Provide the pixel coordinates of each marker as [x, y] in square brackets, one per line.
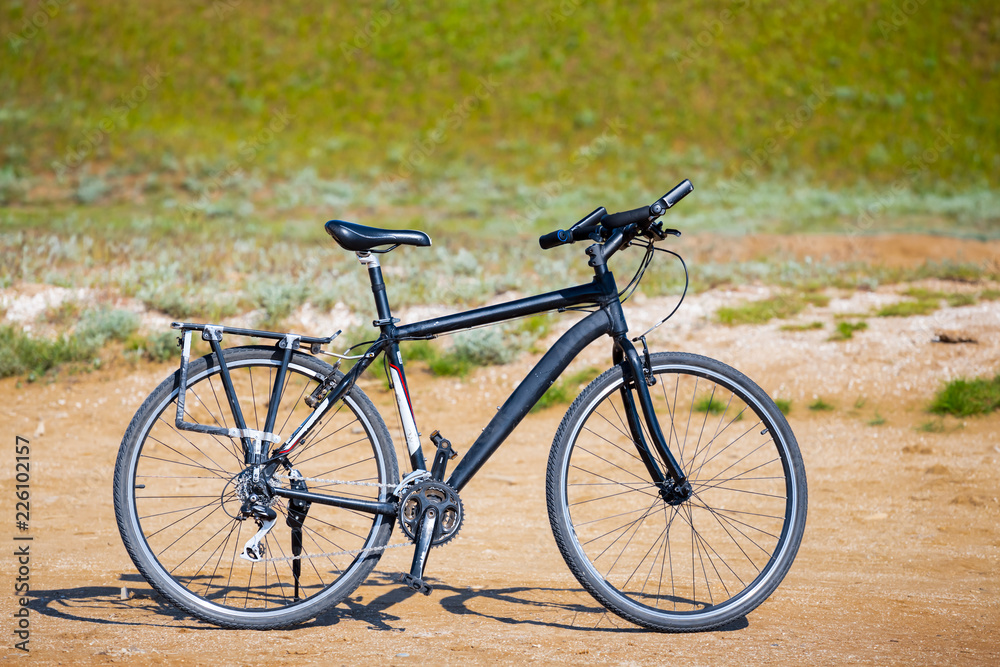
[347, 552]
[345, 482]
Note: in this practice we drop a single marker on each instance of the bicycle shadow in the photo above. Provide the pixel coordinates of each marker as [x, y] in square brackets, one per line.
[514, 605]
[104, 605]
[550, 607]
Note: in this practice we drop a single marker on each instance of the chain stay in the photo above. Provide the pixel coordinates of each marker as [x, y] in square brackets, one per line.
[347, 552]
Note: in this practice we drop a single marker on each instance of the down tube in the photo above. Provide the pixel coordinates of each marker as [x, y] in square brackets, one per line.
[541, 377]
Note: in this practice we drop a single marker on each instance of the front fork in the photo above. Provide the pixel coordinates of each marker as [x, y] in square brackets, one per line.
[674, 487]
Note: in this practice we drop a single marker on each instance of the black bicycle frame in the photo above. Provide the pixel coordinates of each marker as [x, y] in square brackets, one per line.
[608, 319]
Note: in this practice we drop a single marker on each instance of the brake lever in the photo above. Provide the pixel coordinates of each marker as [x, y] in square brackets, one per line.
[658, 233]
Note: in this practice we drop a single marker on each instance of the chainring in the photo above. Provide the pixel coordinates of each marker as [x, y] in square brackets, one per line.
[425, 495]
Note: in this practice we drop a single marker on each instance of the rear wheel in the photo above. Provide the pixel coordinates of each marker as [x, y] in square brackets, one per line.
[178, 495]
[684, 565]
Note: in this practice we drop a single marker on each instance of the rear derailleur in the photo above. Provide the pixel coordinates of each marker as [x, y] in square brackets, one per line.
[256, 498]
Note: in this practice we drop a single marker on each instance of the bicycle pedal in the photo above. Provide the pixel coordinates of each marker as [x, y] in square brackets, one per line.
[444, 454]
[415, 583]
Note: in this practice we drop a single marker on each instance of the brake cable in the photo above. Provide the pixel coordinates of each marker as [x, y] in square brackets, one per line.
[687, 280]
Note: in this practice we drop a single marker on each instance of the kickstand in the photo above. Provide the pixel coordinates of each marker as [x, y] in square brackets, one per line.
[415, 579]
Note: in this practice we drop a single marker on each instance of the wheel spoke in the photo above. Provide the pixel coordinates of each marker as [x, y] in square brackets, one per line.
[670, 564]
[189, 531]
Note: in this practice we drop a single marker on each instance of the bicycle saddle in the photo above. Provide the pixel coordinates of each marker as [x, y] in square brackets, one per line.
[357, 238]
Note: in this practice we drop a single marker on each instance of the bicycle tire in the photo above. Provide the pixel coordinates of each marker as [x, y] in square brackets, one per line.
[711, 559]
[176, 504]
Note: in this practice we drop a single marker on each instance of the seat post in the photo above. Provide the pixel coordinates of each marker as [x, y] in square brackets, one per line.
[378, 285]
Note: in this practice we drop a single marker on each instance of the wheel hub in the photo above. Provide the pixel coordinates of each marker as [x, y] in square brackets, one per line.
[674, 494]
[255, 496]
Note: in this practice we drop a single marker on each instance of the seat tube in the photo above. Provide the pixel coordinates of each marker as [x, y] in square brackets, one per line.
[397, 377]
[378, 285]
[405, 407]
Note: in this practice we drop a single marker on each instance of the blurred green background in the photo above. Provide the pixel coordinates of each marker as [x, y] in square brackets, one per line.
[186, 154]
[838, 94]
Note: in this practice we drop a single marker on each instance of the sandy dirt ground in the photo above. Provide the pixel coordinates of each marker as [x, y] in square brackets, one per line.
[900, 561]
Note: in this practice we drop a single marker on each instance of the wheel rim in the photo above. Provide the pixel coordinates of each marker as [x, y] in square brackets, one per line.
[701, 558]
[184, 516]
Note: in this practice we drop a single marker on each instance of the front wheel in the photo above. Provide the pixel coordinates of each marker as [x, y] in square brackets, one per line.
[178, 494]
[690, 565]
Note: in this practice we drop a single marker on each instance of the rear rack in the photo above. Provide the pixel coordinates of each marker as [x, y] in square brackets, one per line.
[210, 331]
[213, 333]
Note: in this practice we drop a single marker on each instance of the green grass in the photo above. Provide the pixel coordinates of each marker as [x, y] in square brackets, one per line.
[959, 300]
[909, 308]
[926, 301]
[877, 420]
[932, 426]
[819, 405]
[782, 306]
[63, 316]
[989, 295]
[963, 398]
[33, 357]
[468, 351]
[159, 347]
[420, 350]
[784, 404]
[811, 326]
[953, 299]
[450, 365]
[845, 330]
[810, 99]
[710, 404]
[715, 406]
[100, 325]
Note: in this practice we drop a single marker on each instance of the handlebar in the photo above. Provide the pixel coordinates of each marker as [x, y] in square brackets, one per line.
[579, 231]
[615, 220]
[643, 217]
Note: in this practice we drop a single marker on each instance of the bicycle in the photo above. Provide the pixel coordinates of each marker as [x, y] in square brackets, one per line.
[675, 487]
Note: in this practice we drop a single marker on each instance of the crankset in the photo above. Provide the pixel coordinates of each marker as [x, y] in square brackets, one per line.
[437, 498]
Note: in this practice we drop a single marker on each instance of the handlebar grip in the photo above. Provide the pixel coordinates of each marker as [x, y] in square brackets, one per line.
[683, 189]
[554, 239]
[615, 220]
